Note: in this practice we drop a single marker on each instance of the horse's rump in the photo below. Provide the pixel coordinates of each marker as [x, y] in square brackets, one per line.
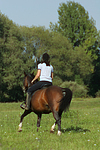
[47, 99]
[59, 98]
[39, 102]
[51, 98]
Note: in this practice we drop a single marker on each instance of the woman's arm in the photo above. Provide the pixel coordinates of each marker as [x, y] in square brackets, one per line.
[52, 75]
[37, 76]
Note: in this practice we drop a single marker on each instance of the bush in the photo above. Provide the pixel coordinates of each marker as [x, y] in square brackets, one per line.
[57, 81]
[14, 94]
[78, 90]
[98, 94]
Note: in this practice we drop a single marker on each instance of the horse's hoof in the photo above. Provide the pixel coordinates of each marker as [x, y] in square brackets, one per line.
[51, 131]
[19, 130]
[59, 133]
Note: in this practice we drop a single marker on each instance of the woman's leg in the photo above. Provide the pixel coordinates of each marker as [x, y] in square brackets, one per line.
[28, 100]
[30, 91]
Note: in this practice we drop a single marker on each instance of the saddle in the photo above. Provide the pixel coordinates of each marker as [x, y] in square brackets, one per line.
[45, 86]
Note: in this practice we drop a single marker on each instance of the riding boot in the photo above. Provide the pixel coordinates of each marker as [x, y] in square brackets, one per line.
[28, 100]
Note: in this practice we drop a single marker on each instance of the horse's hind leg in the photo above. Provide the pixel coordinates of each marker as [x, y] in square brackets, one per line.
[59, 126]
[57, 117]
[26, 112]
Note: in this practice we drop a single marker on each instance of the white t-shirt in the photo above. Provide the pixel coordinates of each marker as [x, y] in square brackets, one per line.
[45, 72]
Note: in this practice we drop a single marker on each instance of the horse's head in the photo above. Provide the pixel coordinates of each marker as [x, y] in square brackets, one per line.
[27, 81]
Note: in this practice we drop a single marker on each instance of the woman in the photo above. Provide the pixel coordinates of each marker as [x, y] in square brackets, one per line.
[45, 72]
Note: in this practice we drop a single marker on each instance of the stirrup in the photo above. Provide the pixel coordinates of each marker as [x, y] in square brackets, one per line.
[22, 106]
[26, 108]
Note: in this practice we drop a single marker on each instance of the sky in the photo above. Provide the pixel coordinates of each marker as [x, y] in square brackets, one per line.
[42, 12]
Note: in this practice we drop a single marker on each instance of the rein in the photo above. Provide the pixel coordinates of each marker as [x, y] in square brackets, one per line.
[29, 82]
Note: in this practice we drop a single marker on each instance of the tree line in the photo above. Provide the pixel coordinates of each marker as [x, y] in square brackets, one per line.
[73, 44]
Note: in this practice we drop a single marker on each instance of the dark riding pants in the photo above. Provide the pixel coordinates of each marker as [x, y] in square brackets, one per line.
[37, 86]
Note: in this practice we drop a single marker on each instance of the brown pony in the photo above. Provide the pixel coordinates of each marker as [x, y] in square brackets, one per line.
[46, 100]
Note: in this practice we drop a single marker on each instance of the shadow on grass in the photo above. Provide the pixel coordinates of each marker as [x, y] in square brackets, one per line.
[75, 129]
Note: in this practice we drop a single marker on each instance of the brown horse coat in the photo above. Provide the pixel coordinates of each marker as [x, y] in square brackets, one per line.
[51, 99]
[45, 100]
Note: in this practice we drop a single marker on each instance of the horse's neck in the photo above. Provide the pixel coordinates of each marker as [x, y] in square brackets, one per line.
[29, 79]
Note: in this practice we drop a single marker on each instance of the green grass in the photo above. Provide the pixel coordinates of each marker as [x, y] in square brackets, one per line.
[80, 128]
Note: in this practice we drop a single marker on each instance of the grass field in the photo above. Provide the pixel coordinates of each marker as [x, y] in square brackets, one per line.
[80, 128]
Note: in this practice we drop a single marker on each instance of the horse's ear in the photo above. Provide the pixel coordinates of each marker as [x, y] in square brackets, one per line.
[25, 74]
[37, 62]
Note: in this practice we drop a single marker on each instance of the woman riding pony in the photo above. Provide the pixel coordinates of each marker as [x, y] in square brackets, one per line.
[45, 72]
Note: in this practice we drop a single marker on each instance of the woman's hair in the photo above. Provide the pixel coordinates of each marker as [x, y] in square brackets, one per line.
[46, 59]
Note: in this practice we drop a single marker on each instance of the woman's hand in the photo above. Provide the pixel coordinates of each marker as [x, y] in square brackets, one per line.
[32, 81]
[37, 76]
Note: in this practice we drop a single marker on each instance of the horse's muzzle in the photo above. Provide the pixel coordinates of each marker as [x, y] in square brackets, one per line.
[24, 89]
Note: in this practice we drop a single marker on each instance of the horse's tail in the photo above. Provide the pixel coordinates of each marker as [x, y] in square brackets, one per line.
[65, 101]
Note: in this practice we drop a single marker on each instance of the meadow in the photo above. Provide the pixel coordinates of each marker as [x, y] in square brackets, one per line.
[80, 128]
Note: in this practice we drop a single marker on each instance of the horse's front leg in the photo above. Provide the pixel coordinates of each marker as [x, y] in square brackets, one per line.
[53, 127]
[57, 117]
[38, 121]
[26, 112]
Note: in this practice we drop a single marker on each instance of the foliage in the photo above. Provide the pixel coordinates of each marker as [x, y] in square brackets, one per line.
[61, 56]
[94, 84]
[57, 81]
[68, 62]
[78, 90]
[98, 93]
[73, 49]
[78, 128]
[12, 59]
[74, 23]
[79, 80]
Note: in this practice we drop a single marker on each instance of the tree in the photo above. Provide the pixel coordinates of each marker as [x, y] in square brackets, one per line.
[1, 64]
[61, 53]
[69, 62]
[74, 23]
[83, 65]
[10, 51]
[20, 46]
